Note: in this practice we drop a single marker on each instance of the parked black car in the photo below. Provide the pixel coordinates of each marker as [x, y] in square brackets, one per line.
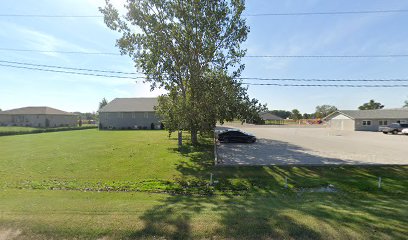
[236, 136]
[393, 128]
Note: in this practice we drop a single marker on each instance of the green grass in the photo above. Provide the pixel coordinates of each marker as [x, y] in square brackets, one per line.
[98, 184]
[8, 131]
[16, 129]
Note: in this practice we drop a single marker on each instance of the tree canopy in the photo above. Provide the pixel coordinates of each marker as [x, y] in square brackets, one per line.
[103, 103]
[324, 110]
[281, 113]
[405, 104]
[193, 50]
[296, 115]
[371, 105]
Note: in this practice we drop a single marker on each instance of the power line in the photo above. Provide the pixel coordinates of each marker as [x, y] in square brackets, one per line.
[65, 52]
[240, 78]
[50, 16]
[71, 68]
[323, 80]
[252, 84]
[329, 13]
[248, 56]
[325, 85]
[245, 15]
[330, 56]
[70, 72]
[36, 67]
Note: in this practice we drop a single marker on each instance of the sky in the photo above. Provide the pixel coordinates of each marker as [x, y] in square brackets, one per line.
[357, 34]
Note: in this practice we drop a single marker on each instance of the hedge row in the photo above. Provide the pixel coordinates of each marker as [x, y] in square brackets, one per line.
[45, 130]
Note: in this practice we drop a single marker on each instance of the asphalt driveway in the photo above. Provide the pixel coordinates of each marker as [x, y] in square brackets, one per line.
[314, 146]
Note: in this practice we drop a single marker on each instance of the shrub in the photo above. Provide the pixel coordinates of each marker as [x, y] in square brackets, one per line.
[45, 130]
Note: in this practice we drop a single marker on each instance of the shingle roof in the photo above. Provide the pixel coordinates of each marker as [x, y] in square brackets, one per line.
[35, 111]
[399, 113]
[269, 116]
[130, 105]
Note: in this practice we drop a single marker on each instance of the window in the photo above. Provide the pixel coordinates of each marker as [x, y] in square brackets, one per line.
[366, 123]
[133, 115]
[146, 115]
[120, 115]
[383, 122]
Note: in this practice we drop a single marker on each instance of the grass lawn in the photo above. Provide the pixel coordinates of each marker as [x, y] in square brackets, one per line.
[16, 129]
[99, 184]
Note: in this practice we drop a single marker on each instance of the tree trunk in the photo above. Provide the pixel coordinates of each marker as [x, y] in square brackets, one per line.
[194, 134]
[180, 138]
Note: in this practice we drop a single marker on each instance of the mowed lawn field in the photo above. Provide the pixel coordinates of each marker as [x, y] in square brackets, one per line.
[94, 184]
[16, 129]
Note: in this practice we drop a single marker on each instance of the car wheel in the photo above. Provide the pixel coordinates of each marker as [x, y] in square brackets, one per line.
[385, 132]
[395, 132]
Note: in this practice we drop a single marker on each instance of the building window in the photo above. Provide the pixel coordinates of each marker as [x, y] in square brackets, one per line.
[366, 123]
[120, 115]
[133, 115]
[146, 115]
[383, 123]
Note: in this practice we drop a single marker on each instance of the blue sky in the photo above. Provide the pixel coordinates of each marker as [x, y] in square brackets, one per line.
[273, 35]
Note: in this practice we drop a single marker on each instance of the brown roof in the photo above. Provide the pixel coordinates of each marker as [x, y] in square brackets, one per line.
[35, 111]
[130, 105]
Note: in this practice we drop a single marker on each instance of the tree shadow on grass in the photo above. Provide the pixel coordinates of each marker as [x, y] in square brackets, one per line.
[251, 203]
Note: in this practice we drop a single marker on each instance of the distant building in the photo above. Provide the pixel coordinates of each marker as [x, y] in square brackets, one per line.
[129, 113]
[366, 120]
[269, 117]
[37, 117]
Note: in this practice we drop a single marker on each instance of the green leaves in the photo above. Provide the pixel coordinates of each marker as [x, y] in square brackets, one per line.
[371, 105]
[192, 49]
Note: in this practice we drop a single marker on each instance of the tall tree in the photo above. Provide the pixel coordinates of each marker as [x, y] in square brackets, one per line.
[371, 105]
[103, 103]
[192, 50]
[296, 115]
[324, 110]
[405, 104]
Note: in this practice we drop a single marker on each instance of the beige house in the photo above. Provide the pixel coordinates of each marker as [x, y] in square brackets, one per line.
[129, 113]
[38, 117]
[366, 120]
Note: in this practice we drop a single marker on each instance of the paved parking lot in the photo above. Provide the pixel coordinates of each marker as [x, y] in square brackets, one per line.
[314, 146]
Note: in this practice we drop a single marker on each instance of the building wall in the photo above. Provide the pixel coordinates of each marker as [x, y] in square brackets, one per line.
[4, 119]
[38, 120]
[342, 122]
[375, 124]
[128, 120]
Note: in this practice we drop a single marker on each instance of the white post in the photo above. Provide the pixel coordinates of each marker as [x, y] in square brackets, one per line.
[379, 182]
[211, 179]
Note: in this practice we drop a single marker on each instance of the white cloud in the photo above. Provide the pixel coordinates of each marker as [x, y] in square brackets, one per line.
[37, 40]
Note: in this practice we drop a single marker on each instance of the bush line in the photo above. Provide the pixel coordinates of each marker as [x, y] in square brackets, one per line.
[45, 130]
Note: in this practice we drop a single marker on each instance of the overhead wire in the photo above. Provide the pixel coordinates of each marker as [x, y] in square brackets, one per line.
[245, 83]
[326, 85]
[70, 72]
[240, 78]
[71, 68]
[247, 56]
[386, 11]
